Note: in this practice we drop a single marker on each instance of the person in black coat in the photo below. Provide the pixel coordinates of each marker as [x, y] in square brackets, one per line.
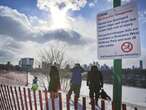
[54, 84]
[95, 82]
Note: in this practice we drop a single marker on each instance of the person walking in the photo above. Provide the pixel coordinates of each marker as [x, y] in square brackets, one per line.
[75, 82]
[95, 82]
[54, 84]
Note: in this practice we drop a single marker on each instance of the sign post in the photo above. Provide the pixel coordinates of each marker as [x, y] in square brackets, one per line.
[117, 84]
[118, 38]
[117, 75]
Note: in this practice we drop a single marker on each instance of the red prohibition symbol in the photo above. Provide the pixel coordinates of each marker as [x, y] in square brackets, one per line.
[127, 47]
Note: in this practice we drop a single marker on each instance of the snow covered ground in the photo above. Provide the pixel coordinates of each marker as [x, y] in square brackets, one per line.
[134, 97]
[13, 78]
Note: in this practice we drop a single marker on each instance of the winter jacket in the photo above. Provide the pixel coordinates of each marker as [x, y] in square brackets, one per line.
[76, 75]
[94, 80]
[54, 84]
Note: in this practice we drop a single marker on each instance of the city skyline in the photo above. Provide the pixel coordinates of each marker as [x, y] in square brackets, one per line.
[27, 26]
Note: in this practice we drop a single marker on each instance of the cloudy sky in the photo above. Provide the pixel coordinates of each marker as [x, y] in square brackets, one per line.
[26, 26]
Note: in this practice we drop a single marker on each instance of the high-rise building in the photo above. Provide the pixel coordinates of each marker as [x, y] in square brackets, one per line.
[140, 64]
[26, 64]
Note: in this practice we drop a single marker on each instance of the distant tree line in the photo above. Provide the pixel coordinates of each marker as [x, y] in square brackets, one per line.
[9, 67]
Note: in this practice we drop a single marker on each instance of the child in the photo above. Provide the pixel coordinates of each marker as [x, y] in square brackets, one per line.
[35, 84]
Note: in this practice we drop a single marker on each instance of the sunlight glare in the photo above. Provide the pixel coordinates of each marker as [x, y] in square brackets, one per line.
[59, 18]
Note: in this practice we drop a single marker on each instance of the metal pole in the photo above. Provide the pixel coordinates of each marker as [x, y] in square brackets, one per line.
[117, 84]
[117, 75]
[27, 78]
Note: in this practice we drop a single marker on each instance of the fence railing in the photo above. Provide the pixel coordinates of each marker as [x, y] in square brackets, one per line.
[22, 98]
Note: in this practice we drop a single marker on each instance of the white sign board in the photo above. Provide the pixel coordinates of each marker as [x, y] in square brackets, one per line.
[117, 33]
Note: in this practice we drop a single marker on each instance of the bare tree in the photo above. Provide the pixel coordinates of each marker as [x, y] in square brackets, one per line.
[46, 58]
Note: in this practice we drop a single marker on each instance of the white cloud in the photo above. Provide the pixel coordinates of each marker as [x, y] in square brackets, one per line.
[29, 31]
[21, 35]
[87, 28]
[13, 13]
[91, 5]
[9, 49]
[65, 4]
[13, 23]
[21, 28]
[58, 9]
[40, 24]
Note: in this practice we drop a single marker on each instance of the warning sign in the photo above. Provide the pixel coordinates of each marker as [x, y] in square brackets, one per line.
[117, 33]
[127, 47]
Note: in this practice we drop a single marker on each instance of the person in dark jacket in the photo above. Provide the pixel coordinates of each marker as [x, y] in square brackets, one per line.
[54, 84]
[76, 80]
[95, 82]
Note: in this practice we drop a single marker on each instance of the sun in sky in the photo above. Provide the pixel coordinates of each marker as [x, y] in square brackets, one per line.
[58, 10]
[59, 18]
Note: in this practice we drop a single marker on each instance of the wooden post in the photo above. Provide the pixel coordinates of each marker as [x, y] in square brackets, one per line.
[76, 103]
[102, 105]
[17, 100]
[53, 104]
[67, 102]
[25, 98]
[7, 98]
[46, 99]
[40, 98]
[2, 97]
[84, 103]
[1, 102]
[113, 107]
[93, 104]
[10, 97]
[13, 98]
[29, 96]
[60, 101]
[22, 106]
[35, 103]
[124, 107]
